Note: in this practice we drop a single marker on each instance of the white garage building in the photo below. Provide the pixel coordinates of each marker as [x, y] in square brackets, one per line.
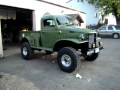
[16, 15]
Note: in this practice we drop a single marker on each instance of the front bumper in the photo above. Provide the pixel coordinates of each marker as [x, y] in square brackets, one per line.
[91, 51]
[95, 47]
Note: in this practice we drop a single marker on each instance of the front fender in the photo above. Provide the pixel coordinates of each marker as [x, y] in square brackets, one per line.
[76, 41]
[67, 42]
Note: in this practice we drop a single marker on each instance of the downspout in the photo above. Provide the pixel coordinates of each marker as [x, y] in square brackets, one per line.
[1, 46]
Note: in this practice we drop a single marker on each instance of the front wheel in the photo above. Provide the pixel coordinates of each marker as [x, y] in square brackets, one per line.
[68, 59]
[26, 51]
[92, 57]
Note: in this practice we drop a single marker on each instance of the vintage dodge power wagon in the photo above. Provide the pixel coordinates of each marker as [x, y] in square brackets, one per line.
[59, 34]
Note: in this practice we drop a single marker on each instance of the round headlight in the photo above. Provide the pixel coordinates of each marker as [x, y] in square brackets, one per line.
[82, 36]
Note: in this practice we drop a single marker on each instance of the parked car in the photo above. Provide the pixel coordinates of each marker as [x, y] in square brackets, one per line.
[109, 30]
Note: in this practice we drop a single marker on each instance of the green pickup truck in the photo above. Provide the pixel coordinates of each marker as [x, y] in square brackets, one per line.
[59, 34]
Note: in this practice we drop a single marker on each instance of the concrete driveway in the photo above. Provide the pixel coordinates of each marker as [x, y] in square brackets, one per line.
[44, 73]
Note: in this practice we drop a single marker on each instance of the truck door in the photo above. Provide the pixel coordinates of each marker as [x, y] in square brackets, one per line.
[49, 34]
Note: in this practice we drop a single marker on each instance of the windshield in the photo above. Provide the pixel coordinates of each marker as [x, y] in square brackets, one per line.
[64, 20]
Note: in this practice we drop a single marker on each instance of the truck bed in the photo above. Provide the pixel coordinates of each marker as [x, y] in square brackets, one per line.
[34, 36]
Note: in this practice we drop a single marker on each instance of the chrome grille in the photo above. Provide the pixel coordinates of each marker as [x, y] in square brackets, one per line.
[91, 40]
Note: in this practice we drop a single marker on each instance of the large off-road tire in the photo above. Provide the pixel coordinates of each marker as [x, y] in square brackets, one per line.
[26, 51]
[68, 59]
[92, 57]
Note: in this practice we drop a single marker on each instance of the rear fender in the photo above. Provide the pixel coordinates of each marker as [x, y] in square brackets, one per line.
[28, 39]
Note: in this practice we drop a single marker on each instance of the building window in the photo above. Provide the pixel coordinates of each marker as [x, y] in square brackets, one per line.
[80, 0]
[95, 15]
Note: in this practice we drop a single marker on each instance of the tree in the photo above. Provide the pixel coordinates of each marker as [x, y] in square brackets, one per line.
[107, 7]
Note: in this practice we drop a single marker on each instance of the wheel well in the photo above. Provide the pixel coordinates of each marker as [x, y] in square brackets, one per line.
[24, 40]
[64, 43]
[116, 33]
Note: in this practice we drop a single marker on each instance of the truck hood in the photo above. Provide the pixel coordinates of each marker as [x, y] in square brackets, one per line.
[77, 29]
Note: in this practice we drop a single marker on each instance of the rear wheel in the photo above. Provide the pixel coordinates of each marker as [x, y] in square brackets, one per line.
[26, 51]
[116, 35]
[68, 59]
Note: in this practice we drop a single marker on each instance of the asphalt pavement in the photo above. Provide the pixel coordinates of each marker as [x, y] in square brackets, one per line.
[44, 74]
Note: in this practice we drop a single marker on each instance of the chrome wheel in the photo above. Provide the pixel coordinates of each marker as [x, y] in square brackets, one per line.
[115, 36]
[25, 51]
[66, 60]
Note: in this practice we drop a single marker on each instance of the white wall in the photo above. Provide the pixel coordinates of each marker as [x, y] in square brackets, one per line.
[28, 4]
[1, 46]
[111, 19]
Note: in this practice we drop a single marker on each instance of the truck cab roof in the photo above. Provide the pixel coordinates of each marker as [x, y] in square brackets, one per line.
[53, 16]
[50, 16]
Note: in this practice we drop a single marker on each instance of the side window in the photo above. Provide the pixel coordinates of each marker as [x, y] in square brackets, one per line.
[110, 28]
[117, 27]
[102, 28]
[49, 23]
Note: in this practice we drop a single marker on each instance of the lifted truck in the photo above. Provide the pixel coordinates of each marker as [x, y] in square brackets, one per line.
[59, 34]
